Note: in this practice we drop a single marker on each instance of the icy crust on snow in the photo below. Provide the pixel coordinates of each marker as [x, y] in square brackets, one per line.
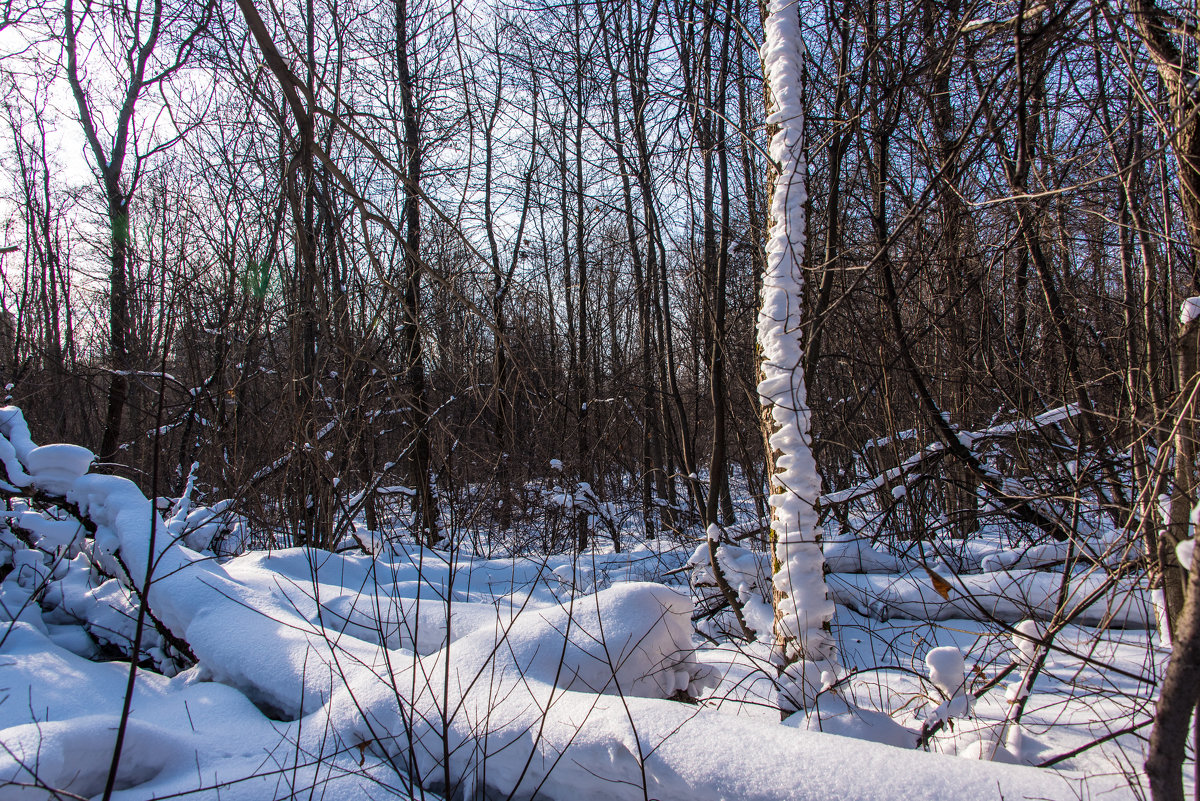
[802, 609]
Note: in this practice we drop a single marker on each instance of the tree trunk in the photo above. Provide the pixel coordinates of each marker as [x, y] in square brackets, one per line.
[425, 510]
[804, 645]
[118, 316]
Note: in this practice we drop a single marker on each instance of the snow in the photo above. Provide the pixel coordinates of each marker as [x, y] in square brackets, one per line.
[1184, 551]
[1007, 596]
[55, 467]
[833, 715]
[1026, 636]
[946, 669]
[883, 479]
[852, 554]
[187, 733]
[907, 470]
[802, 606]
[351, 675]
[1189, 310]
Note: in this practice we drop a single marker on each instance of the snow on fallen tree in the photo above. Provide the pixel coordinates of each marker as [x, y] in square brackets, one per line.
[1003, 495]
[1094, 599]
[882, 587]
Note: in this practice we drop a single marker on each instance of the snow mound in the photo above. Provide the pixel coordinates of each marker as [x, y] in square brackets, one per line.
[834, 715]
[631, 639]
[75, 756]
[946, 669]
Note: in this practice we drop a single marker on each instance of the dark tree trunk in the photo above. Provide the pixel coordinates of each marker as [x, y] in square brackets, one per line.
[425, 509]
[118, 311]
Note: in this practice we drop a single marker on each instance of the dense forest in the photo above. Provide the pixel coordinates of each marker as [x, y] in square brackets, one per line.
[439, 249]
[491, 280]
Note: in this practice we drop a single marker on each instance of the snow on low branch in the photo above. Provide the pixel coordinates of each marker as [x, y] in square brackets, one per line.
[1006, 491]
[803, 611]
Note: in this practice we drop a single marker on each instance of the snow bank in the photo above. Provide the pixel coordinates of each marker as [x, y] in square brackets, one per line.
[561, 745]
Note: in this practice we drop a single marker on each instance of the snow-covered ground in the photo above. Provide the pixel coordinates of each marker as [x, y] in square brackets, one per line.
[425, 674]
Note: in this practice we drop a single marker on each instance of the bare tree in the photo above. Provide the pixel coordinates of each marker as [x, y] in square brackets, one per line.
[119, 143]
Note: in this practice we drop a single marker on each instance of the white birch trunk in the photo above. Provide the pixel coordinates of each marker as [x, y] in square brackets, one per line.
[805, 648]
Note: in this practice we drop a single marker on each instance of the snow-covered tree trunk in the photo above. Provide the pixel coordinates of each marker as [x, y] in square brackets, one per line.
[804, 645]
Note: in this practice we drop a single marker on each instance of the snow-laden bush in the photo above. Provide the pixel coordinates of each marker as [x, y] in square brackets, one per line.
[64, 572]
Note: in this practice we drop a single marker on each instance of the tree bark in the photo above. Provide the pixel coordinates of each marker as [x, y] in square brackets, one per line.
[425, 508]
